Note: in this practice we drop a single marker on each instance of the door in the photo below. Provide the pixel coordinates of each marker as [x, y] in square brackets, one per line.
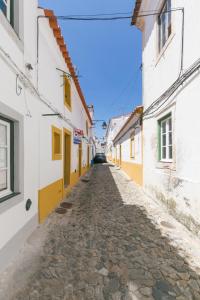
[88, 157]
[79, 158]
[67, 157]
[120, 155]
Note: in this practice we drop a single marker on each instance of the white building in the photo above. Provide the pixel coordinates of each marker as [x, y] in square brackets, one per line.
[171, 87]
[40, 108]
[128, 145]
[114, 125]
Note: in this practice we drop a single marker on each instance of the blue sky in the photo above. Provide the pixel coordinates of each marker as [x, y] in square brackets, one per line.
[107, 55]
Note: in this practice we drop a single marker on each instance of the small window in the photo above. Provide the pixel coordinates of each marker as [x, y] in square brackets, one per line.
[6, 170]
[56, 143]
[7, 7]
[67, 93]
[166, 139]
[164, 23]
[132, 145]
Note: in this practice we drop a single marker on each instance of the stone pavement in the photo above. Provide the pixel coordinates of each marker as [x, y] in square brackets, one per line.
[105, 249]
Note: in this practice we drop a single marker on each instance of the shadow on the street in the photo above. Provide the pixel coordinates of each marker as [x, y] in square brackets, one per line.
[109, 251]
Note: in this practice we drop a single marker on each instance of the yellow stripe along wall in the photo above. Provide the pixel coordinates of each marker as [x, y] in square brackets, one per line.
[50, 196]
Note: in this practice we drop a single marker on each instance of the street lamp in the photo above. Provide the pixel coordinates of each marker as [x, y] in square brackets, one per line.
[104, 125]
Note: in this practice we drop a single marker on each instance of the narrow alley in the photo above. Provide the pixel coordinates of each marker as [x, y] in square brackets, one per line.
[102, 249]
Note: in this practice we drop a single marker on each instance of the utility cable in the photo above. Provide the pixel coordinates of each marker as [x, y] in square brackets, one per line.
[157, 104]
[27, 83]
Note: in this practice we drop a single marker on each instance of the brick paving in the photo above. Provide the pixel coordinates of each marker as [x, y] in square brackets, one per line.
[108, 250]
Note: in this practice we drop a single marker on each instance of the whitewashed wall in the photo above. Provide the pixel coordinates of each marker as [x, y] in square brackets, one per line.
[13, 216]
[115, 125]
[36, 168]
[177, 184]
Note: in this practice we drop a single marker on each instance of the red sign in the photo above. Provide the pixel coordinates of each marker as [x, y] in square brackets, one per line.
[78, 134]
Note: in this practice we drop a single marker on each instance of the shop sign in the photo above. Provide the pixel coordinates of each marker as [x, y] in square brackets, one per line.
[78, 134]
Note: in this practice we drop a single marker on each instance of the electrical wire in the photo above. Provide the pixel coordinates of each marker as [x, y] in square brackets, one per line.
[157, 104]
[27, 83]
[110, 17]
[99, 15]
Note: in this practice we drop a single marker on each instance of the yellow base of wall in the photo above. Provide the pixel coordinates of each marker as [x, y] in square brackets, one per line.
[74, 178]
[49, 197]
[52, 195]
[84, 170]
[134, 171]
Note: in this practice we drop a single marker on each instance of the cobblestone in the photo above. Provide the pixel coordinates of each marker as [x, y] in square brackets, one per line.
[107, 250]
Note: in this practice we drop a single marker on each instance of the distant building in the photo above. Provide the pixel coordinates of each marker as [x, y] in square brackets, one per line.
[128, 145]
[114, 125]
[171, 89]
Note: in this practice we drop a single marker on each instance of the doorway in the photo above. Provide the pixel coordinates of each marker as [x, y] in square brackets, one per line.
[120, 155]
[80, 158]
[88, 157]
[67, 157]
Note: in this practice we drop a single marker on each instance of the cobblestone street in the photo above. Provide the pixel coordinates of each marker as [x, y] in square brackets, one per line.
[106, 249]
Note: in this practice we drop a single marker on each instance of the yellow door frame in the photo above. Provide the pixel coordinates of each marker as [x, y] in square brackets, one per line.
[66, 152]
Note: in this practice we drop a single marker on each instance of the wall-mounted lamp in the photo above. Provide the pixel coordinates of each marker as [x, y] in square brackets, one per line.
[29, 66]
[104, 124]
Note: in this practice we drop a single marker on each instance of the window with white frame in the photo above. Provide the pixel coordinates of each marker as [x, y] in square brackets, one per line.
[166, 139]
[5, 158]
[164, 24]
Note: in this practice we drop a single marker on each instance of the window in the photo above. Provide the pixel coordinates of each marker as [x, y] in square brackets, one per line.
[6, 170]
[164, 23]
[165, 139]
[132, 145]
[67, 93]
[7, 7]
[56, 143]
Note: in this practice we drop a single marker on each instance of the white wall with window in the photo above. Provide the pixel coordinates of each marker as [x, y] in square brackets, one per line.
[19, 121]
[5, 158]
[171, 129]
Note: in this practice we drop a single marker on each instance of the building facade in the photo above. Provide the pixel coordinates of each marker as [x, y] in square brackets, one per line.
[128, 145]
[114, 125]
[170, 63]
[45, 125]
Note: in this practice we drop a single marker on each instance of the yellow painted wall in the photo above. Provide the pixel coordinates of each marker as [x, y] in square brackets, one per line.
[134, 171]
[74, 178]
[52, 195]
[84, 170]
[49, 198]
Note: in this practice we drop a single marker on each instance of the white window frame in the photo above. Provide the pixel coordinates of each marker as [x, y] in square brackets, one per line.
[163, 26]
[7, 191]
[167, 133]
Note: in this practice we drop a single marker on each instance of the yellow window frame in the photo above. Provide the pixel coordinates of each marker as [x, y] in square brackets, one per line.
[67, 93]
[56, 143]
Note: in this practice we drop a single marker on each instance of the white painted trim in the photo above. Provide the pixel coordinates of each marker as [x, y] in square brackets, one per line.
[7, 191]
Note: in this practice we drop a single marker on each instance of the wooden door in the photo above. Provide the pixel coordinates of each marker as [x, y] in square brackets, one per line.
[88, 157]
[120, 155]
[80, 158]
[67, 158]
